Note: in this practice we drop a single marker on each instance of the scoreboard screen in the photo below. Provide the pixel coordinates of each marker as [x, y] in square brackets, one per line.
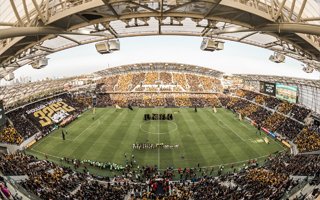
[286, 92]
[52, 112]
[268, 88]
[2, 115]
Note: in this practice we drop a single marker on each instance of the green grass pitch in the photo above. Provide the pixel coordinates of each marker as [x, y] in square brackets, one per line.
[203, 137]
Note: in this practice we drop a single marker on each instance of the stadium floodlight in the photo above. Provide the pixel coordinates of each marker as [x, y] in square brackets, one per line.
[114, 45]
[209, 44]
[40, 63]
[9, 76]
[277, 58]
[308, 68]
[105, 47]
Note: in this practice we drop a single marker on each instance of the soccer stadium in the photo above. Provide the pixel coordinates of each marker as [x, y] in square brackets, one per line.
[187, 124]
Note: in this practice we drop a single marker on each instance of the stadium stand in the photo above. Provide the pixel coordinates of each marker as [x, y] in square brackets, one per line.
[33, 30]
[273, 178]
[10, 135]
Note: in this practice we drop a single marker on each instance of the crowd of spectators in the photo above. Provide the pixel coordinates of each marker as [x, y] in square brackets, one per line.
[272, 102]
[290, 128]
[299, 113]
[151, 78]
[137, 79]
[97, 190]
[268, 181]
[143, 82]
[158, 99]
[248, 110]
[166, 78]
[285, 107]
[260, 99]
[124, 82]
[181, 80]
[299, 165]
[274, 121]
[194, 83]
[21, 123]
[4, 190]
[10, 135]
[308, 140]
[107, 83]
[260, 115]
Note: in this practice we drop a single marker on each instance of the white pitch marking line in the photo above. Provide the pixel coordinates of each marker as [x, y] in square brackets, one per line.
[86, 129]
[158, 139]
[232, 130]
[45, 153]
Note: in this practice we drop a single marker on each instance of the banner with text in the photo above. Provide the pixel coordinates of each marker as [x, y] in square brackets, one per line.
[51, 112]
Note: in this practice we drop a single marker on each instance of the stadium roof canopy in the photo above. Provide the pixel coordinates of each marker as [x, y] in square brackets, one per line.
[159, 67]
[34, 28]
[279, 79]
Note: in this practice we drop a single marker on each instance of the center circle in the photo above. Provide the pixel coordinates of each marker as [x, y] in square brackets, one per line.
[158, 126]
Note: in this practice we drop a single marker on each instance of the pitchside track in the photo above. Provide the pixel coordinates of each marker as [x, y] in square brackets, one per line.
[204, 137]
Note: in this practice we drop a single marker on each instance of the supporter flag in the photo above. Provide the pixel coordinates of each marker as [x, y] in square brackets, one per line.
[118, 107]
[214, 110]
[266, 140]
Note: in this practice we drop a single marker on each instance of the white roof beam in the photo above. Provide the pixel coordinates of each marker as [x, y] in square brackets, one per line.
[25, 8]
[301, 10]
[246, 36]
[280, 9]
[212, 9]
[14, 8]
[42, 17]
[111, 8]
[292, 8]
[6, 24]
[71, 39]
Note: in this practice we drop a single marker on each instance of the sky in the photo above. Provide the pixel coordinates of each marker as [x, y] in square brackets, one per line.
[236, 58]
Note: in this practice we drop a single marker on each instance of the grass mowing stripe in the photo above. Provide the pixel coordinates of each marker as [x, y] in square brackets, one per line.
[193, 152]
[218, 145]
[82, 145]
[80, 124]
[230, 121]
[115, 136]
[125, 142]
[251, 149]
[166, 154]
[250, 134]
[176, 136]
[197, 134]
[158, 141]
[98, 138]
[237, 146]
[84, 130]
